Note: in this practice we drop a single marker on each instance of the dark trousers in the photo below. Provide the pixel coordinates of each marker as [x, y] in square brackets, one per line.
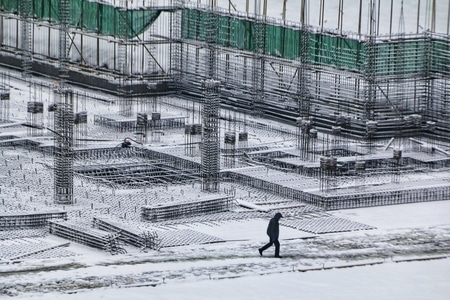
[270, 243]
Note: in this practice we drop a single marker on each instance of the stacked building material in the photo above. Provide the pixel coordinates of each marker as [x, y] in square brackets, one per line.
[175, 210]
[141, 239]
[16, 220]
[96, 238]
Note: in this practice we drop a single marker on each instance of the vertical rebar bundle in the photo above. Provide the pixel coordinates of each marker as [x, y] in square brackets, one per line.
[187, 140]
[369, 74]
[192, 136]
[328, 168]
[4, 96]
[176, 47]
[210, 36]
[35, 116]
[303, 98]
[258, 70]
[126, 98]
[142, 127]
[397, 156]
[64, 47]
[80, 128]
[210, 149]
[64, 118]
[152, 63]
[64, 156]
[51, 114]
[243, 140]
[230, 148]
[80, 120]
[304, 141]
[360, 168]
[27, 41]
[4, 104]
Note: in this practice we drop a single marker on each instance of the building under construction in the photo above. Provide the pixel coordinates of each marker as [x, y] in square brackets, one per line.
[371, 86]
[366, 110]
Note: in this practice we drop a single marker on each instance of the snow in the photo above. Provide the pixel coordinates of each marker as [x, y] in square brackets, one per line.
[401, 216]
[385, 263]
[408, 280]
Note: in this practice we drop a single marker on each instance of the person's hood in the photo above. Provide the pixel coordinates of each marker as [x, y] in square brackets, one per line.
[278, 216]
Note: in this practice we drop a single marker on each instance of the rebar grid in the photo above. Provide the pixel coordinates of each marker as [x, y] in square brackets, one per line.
[331, 197]
[410, 64]
[359, 78]
[405, 98]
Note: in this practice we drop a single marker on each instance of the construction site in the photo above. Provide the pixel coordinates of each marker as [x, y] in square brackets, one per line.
[135, 125]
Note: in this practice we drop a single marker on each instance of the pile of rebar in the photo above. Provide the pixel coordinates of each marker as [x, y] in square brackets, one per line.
[175, 210]
[16, 220]
[142, 239]
[95, 238]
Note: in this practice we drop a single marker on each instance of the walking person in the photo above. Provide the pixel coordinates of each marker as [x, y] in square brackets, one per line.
[273, 231]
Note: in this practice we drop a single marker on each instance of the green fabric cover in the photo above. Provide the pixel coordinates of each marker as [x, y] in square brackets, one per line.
[90, 16]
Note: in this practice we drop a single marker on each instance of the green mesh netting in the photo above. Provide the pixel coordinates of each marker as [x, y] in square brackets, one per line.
[91, 16]
[280, 41]
[337, 51]
[10, 5]
[440, 50]
[399, 58]
[391, 57]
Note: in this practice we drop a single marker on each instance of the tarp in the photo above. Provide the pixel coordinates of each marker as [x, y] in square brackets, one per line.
[92, 16]
[391, 57]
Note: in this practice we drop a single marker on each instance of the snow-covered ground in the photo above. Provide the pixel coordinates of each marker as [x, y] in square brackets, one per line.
[405, 257]
[411, 280]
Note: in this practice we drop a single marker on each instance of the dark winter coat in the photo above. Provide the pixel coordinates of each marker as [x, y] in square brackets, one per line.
[273, 230]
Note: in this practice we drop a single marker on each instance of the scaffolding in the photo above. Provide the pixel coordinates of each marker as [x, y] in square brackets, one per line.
[268, 67]
[98, 45]
[323, 75]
